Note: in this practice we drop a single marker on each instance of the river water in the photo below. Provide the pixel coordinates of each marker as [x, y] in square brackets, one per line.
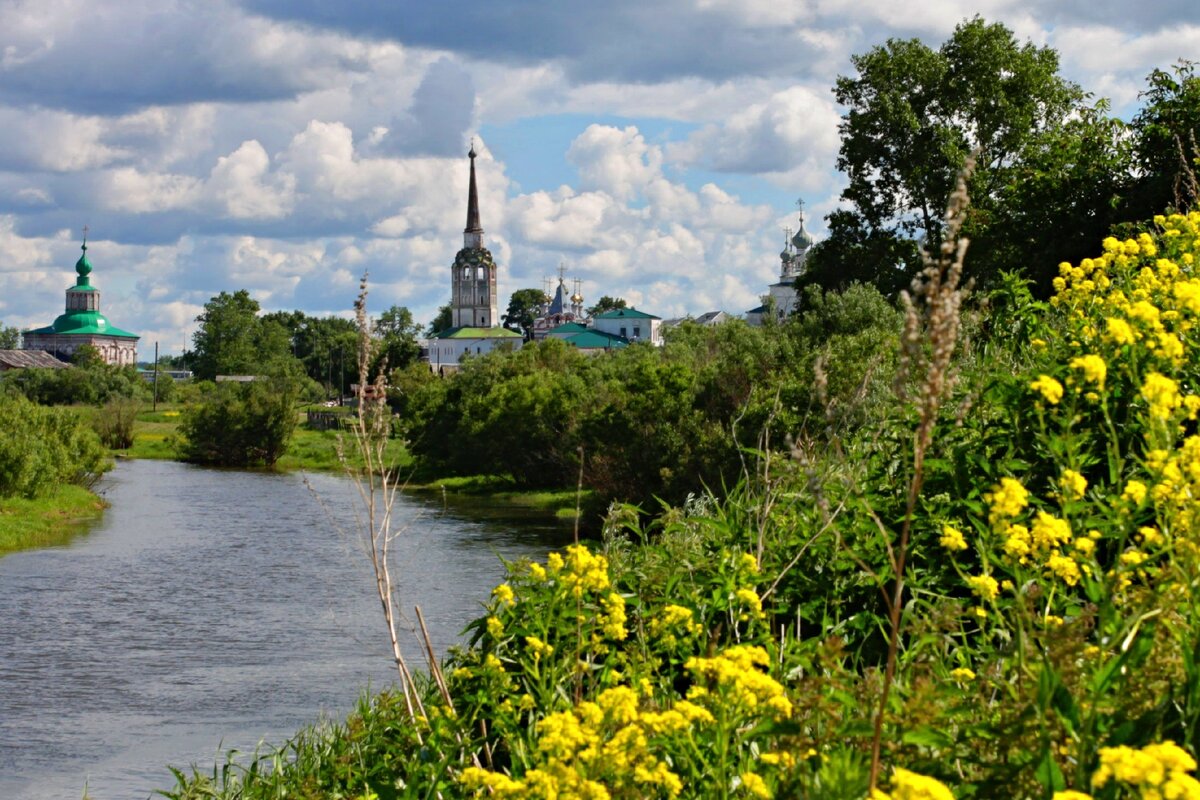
[210, 610]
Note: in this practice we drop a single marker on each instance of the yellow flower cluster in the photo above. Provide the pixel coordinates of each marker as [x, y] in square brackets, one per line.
[1049, 388]
[1073, 484]
[1155, 771]
[952, 539]
[672, 624]
[738, 674]
[911, 786]
[581, 571]
[596, 750]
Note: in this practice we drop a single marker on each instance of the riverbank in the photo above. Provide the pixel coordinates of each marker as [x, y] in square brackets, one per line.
[317, 451]
[46, 521]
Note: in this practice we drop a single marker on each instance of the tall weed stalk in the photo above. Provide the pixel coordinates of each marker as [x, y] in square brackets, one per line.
[931, 326]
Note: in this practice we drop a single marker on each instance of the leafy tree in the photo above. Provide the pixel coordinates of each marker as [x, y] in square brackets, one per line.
[10, 338]
[523, 309]
[441, 322]
[606, 303]
[914, 114]
[398, 334]
[240, 424]
[225, 342]
[1167, 140]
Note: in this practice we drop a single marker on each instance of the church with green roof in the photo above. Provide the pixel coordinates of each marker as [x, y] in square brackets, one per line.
[83, 324]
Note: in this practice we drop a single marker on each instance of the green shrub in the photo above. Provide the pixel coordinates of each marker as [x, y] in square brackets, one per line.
[42, 447]
[240, 424]
[114, 422]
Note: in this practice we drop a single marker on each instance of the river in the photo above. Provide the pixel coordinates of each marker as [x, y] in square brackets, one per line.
[210, 610]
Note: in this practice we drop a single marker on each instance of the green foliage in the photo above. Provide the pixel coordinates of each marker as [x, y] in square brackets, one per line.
[1167, 139]
[114, 422]
[93, 383]
[10, 338]
[523, 308]
[227, 341]
[397, 332]
[606, 303]
[443, 320]
[240, 424]
[41, 448]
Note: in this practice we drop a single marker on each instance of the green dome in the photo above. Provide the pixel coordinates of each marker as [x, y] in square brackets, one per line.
[83, 266]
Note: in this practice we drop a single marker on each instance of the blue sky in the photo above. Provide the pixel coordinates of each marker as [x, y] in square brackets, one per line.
[287, 146]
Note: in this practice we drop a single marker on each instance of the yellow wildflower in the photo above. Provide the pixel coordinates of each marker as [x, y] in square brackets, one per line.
[504, 594]
[1049, 388]
[1073, 484]
[1093, 368]
[495, 627]
[952, 539]
[985, 586]
[1162, 394]
[911, 786]
[1006, 500]
[962, 675]
[1118, 331]
[755, 785]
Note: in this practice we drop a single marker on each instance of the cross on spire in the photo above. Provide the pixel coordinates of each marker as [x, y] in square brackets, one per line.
[85, 233]
[800, 205]
[562, 271]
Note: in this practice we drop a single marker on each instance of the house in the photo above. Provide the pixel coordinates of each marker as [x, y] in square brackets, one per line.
[630, 324]
[29, 359]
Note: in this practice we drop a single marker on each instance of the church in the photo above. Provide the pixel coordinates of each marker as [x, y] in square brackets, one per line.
[474, 308]
[780, 300]
[83, 324]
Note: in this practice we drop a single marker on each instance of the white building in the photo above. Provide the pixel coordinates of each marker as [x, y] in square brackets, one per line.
[631, 324]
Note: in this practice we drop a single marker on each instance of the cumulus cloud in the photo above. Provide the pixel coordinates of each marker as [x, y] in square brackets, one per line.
[442, 111]
[616, 161]
[114, 57]
[795, 131]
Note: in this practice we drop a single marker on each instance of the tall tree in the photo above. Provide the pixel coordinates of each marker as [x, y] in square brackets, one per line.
[225, 342]
[914, 114]
[398, 334]
[523, 309]
[606, 303]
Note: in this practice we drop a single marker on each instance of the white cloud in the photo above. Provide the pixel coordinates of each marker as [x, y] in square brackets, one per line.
[613, 160]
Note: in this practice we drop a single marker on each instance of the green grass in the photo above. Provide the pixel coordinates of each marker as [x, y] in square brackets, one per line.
[46, 521]
[502, 489]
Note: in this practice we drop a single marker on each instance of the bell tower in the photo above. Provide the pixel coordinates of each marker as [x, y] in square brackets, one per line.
[473, 276]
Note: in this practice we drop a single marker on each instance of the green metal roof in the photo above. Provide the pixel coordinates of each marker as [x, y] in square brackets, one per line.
[565, 328]
[83, 323]
[465, 332]
[625, 313]
[595, 340]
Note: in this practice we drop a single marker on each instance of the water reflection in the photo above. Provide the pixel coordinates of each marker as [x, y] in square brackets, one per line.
[208, 610]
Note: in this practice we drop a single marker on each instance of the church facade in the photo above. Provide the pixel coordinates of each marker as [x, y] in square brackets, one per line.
[83, 324]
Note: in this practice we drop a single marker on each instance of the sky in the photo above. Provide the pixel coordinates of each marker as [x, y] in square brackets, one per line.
[653, 148]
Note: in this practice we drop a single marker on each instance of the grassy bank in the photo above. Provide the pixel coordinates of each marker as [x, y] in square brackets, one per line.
[46, 521]
[155, 431]
[502, 489]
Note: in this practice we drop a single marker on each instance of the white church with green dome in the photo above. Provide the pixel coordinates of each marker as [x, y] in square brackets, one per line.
[83, 324]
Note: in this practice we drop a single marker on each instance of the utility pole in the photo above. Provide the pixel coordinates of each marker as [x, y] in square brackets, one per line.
[155, 406]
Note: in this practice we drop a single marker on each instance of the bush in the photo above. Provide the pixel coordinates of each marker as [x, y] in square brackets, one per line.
[240, 424]
[114, 422]
[41, 448]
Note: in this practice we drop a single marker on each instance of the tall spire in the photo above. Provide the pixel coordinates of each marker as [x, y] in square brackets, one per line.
[473, 233]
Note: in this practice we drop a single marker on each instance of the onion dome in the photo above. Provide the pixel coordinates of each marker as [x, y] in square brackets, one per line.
[83, 267]
[802, 240]
[577, 298]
